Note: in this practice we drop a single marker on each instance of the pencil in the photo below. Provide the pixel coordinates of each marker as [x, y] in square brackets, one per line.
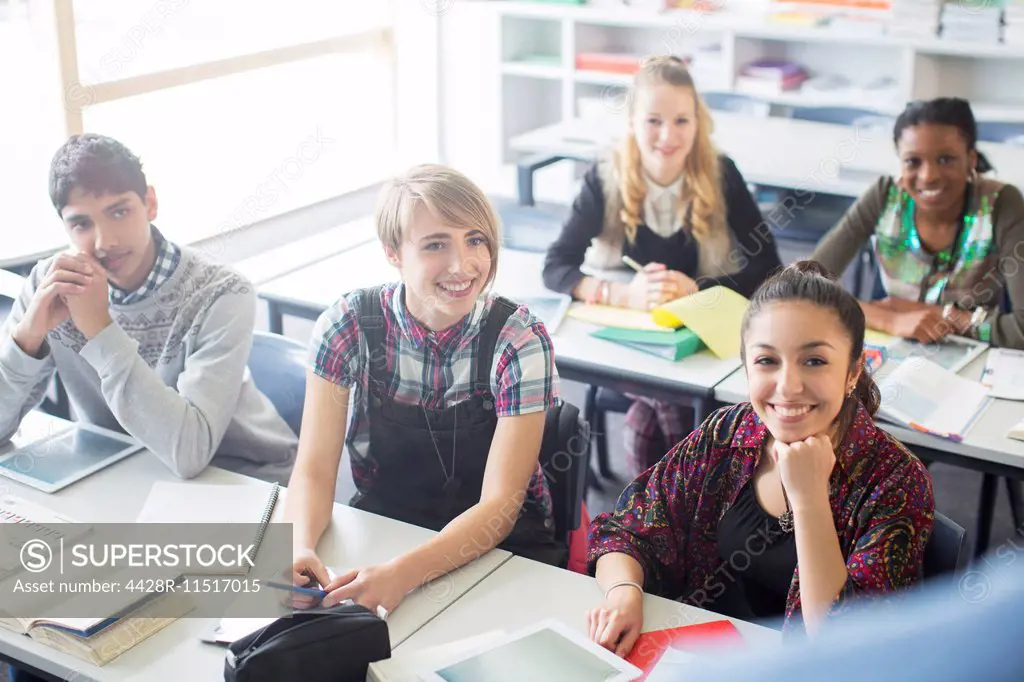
[632, 263]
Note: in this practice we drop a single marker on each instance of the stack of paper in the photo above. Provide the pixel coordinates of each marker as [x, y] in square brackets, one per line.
[1004, 374]
[972, 21]
[915, 18]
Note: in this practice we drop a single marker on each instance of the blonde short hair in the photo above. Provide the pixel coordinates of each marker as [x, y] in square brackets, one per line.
[451, 196]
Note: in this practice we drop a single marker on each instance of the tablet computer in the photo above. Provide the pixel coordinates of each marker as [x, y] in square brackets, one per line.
[548, 650]
[549, 308]
[61, 458]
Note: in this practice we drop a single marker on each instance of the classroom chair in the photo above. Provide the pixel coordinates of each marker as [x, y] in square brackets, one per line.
[278, 368]
[945, 551]
[1001, 131]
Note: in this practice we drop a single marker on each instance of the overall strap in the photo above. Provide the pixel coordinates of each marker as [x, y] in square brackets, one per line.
[497, 316]
[371, 324]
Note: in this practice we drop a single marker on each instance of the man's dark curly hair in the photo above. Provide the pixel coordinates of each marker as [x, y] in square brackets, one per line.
[95, 164]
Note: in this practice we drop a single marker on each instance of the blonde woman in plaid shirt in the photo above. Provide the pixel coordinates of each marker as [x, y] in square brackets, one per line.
[449, 387]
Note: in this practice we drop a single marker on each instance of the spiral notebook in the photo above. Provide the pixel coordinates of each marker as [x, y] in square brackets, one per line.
[212, 504]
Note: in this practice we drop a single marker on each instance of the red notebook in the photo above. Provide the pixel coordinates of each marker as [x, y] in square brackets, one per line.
[651, 645]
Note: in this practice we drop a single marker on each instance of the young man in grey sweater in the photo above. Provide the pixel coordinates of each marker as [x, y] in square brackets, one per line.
[149, 338]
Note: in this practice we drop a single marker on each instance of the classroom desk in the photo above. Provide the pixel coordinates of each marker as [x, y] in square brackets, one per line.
[118, 493]
[522, 592]
[985, 447]
[782, 152]
[579, 357]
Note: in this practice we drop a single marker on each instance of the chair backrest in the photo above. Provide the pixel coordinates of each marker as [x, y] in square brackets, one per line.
[278, 367]
[944, 553]
[1009, 132]
[565, 459]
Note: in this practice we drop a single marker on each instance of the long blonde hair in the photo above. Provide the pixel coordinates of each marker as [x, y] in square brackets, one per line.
[451, 196]
[701, 172]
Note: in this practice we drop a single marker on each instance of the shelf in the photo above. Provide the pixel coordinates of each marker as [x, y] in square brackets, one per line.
[532, 70]
[602, 78]
[749, 23]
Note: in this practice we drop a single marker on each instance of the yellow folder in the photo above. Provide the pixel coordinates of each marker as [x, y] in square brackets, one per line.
[715, 315]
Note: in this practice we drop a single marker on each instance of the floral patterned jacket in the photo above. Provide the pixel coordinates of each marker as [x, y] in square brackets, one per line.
[881, 496]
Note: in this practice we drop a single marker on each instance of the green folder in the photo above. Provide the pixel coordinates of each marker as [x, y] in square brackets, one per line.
[669, 345]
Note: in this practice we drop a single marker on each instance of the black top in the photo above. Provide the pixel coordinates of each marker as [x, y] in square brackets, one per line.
[759, 561]
[678, 252]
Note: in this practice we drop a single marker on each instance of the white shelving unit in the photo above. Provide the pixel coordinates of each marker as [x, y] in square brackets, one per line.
[518, 60]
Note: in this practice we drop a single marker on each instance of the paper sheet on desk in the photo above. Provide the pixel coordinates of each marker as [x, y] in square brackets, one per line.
[1004, 374]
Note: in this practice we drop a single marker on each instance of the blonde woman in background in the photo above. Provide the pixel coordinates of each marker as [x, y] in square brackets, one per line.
[669, 200]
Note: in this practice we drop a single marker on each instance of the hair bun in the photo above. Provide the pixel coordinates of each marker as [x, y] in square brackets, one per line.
[810, 267]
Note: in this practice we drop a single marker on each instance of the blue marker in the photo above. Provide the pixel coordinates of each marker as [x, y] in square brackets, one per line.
[308, 591]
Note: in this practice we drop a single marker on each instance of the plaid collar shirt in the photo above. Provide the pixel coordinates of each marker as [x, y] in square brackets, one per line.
[167, 258]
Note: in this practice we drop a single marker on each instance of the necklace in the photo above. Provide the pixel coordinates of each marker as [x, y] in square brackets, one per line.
[450, 484]
[786, 517]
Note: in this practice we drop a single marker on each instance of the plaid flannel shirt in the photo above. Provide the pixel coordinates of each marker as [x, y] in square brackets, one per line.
[435, 369]
[167, 258]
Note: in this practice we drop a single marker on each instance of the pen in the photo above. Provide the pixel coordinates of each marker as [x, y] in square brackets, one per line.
[308, 591]
[632, 263]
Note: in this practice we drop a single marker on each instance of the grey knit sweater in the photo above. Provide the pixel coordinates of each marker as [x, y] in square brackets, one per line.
[170, 371]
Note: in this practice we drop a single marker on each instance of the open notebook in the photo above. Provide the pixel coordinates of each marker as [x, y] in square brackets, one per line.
[928, 397]
[99, 639]
[190, 503]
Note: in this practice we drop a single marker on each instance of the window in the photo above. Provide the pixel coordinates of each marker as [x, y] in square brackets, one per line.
[239, 110]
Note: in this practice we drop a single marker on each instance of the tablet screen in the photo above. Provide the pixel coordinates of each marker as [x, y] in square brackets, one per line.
[541, 655]
[65, 456]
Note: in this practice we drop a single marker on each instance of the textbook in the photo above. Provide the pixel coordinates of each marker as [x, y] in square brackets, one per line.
[101, 640]
[672, 346]
[927, 397]
[952, 352]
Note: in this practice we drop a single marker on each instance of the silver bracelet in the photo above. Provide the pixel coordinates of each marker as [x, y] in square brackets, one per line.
[622, 583]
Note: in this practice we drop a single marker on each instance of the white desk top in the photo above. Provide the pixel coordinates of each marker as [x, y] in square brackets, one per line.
[23, 246]
[986, 440]
[519, 273]
[354, 538]
[821, 157]
[522, 592]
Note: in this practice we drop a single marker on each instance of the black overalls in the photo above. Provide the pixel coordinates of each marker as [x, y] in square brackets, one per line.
[430, 462]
